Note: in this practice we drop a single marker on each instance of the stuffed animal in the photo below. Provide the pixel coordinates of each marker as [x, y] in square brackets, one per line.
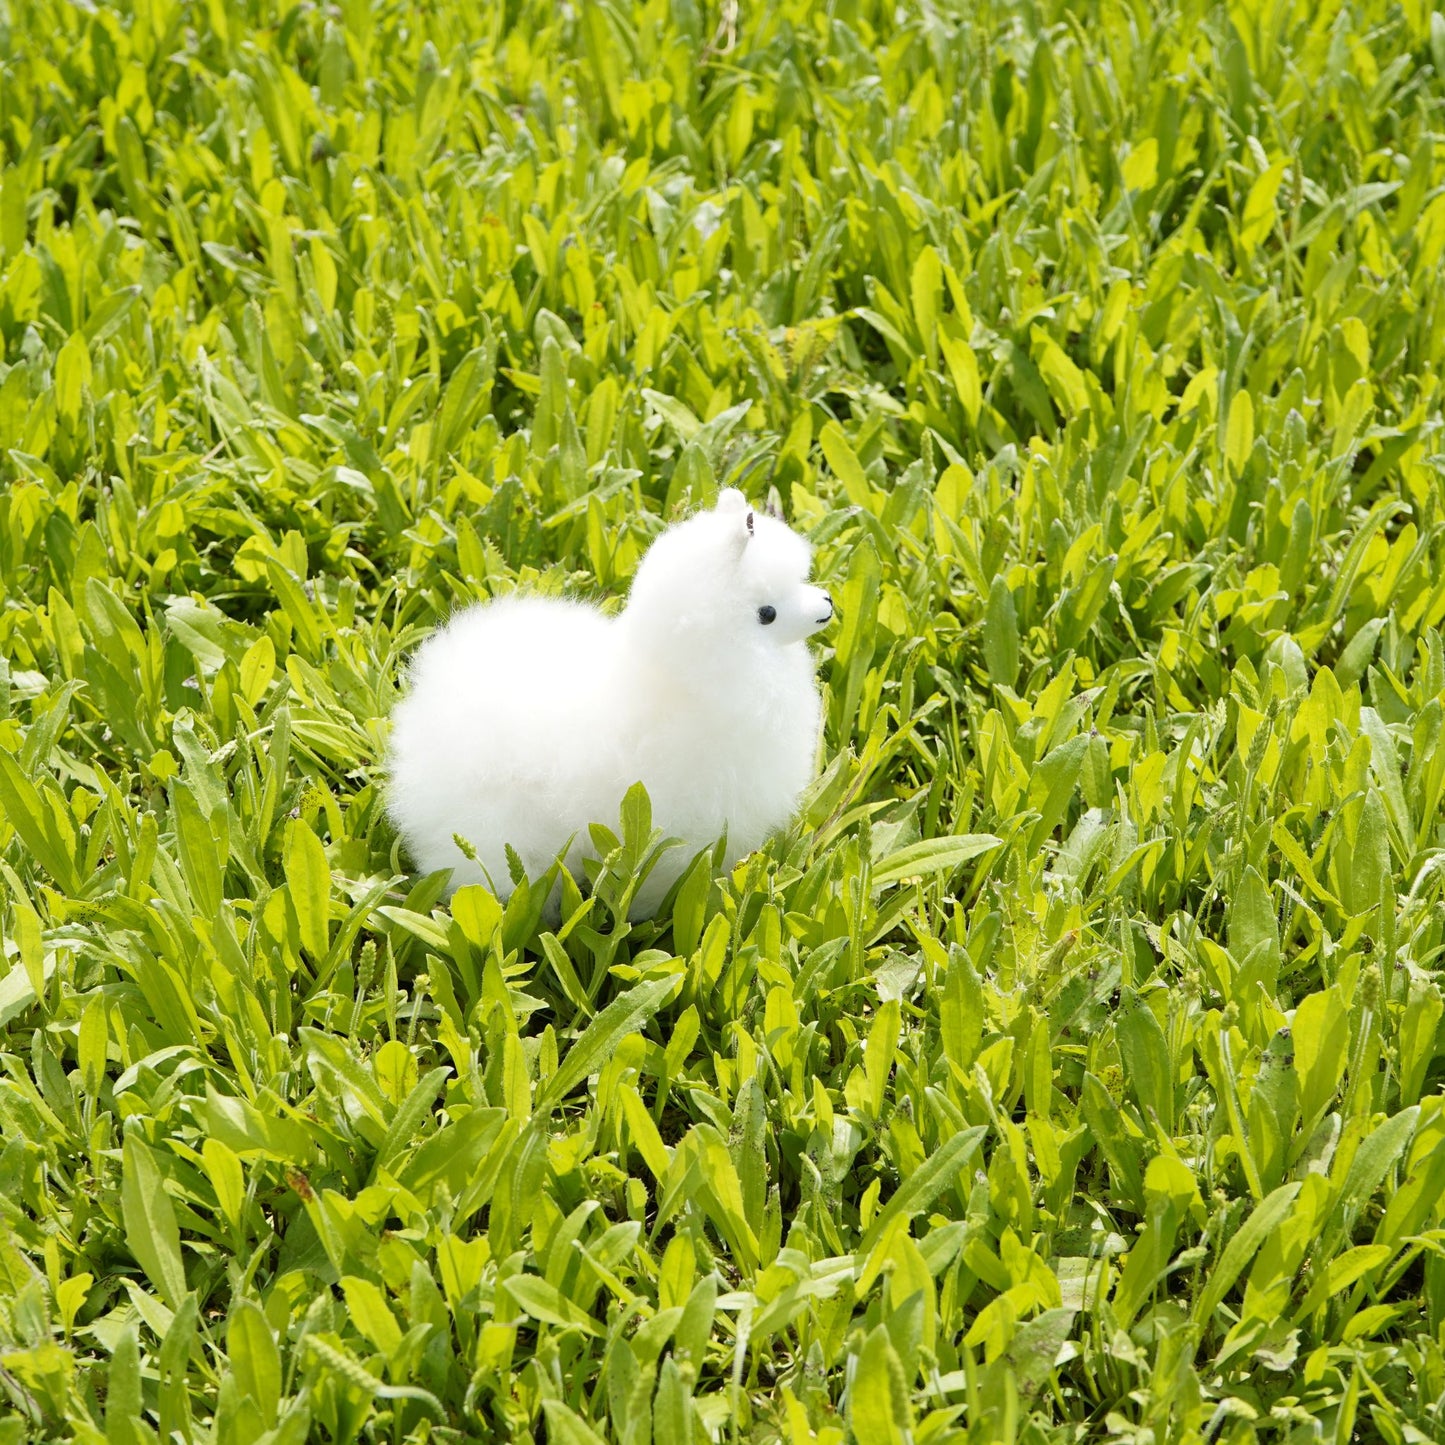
[528, 718]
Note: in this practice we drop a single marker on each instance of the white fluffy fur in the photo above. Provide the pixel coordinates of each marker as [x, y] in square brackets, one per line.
[529, 718]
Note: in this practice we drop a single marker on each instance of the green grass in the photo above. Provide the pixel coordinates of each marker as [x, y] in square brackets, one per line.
[1072, 1071]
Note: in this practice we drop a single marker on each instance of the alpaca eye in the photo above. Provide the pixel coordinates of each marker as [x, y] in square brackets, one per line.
[767, 614]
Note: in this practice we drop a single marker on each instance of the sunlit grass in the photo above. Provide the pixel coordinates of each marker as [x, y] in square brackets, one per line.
[1071, 1071]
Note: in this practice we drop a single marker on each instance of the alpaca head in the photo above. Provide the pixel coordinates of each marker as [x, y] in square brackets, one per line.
[727, 584]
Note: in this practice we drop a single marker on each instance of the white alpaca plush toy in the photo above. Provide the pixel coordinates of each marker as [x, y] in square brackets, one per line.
[529, 718]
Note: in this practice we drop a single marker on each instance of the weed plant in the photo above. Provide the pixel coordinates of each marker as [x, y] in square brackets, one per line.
[1072, 1070]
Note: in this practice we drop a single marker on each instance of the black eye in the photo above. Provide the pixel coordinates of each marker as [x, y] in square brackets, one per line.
[767, 614]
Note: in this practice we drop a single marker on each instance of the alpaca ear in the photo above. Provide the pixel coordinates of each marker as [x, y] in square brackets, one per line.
[732, 505]
[739, 537]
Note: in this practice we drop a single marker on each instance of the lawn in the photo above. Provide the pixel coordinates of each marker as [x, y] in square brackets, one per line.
[1072, 1070]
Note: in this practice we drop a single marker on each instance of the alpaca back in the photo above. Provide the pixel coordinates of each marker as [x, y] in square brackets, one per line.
[505, 736]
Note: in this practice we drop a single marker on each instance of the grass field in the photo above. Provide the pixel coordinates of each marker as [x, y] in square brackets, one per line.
[1072, 1071]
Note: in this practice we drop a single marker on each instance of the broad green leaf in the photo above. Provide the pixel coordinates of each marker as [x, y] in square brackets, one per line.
[920, 1189]
[72, 377]
[1241, 1248]
[878, 1408]
[454, 1151]
[1140, 168]
[674, 412]
[40, 821]
[926, 292]
[124, 1402]
[963, 370]
[478, 913]
[1037, 1349]
[92, 1045]
[723, 1194]
[1145, 1053]
[932, 855]
[846, 467]
[14, 198]
[296, 605]
[255, 1360]
[200, 851]
[544, 1302]
[1419, 1038]
[1102, 1116]
[1254, 933]
[567, 1427]
[624, 1015]
[308, 886]
[1001, 634]
[1364, 863]
[1239, 433]
[1062, 376]
[367, 1307]
[151, 1233]
[961, 1010]
[1375, 1157]
[223, 1169]
[245, 1130]
[1260, 212]
[695, 1327]
[17, 988]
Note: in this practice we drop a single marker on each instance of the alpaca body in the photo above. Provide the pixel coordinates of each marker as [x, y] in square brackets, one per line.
[529, 718]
